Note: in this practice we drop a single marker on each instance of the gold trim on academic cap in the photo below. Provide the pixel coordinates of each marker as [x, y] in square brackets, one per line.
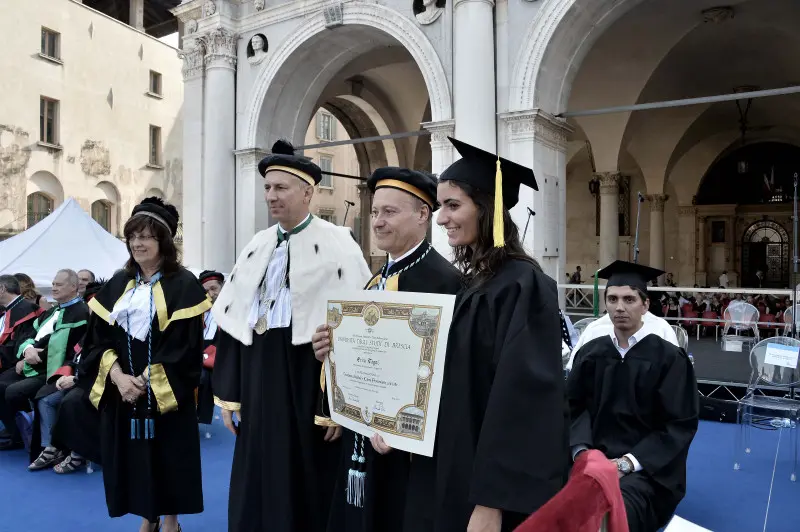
[402, 185]
[297, 173]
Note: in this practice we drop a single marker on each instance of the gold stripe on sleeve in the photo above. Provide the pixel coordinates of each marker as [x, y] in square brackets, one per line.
[99, 386]
[159, 383]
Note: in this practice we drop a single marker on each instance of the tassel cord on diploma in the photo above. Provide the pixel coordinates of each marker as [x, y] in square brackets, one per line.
[356, 477]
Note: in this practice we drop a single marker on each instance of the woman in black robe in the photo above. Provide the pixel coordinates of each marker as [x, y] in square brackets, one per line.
[145, 355]
[502, 440]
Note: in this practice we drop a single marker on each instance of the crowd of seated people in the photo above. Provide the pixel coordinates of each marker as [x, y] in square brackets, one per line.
[709, 306]
[41, 406]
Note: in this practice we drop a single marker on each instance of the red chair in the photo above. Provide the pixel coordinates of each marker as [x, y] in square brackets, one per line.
[710, 315]
[687, 308]
[688, 315]
[768, 319]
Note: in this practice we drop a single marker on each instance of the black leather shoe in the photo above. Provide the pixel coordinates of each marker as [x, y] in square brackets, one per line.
[11, 445]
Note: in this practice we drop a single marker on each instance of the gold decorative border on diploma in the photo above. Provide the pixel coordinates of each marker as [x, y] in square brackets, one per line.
[424, 321]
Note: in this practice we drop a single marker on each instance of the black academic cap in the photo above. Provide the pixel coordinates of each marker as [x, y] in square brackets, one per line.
[157, 209]
[490, 174]
[210, 275]
[419, 184]
[624, 273]
[283, 158]
[478, 168]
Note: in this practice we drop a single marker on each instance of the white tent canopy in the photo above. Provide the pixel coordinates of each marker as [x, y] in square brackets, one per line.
[67, 238]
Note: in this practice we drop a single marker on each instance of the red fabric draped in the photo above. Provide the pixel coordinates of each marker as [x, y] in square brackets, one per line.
[591, 493]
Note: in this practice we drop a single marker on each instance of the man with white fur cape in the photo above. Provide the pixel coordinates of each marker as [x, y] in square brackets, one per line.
[265, 371]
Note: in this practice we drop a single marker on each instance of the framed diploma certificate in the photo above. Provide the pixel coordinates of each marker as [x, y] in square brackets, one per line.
[384, 372]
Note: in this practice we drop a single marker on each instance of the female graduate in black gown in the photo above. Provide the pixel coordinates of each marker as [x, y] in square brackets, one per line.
[145, 355]
[502, 440]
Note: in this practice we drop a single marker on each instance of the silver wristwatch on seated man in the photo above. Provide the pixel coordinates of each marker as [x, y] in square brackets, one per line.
[625, 465]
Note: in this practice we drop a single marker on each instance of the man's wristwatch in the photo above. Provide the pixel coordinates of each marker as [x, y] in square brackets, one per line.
[624, 465]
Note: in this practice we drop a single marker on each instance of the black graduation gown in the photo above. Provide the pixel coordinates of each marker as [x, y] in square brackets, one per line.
[18, 327]
[159, 476]
[503, 423]
[77, 426]
[398, 488]
[205, 393]
[645, 404]
[283, 471]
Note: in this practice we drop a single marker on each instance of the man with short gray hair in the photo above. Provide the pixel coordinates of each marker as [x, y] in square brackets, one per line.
[41, 352]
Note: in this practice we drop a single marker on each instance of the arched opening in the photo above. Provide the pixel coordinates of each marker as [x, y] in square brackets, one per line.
[587, 54]
[40, 206]
[376, 75]
[101, 213]
[48, 184]
[760, 173]
[765, 255]
[154, 192]
[105, 208]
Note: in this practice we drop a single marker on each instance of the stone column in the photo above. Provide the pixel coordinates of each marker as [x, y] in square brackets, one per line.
[474, 95]
[192, 181]
[136, 14]
[657, 229]
[700, 277]
[609, 218]
[442, 154]
[686, 246]
[441, 148]
[365, 206]
[730, 246]
[538, 140]
[251, 210]
[219, 141]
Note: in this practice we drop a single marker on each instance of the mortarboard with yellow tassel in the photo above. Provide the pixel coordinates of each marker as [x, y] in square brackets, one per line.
[493, 175]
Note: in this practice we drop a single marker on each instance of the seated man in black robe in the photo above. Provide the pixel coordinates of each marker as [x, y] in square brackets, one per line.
[76, 426]
[212, 282]
[633, 396]
[17, 315]
[395, 489]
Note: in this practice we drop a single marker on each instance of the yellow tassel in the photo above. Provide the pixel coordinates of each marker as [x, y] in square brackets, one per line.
[499, 227]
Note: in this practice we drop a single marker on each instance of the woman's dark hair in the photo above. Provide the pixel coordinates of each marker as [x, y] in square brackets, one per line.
[166, 246]
[482, 263]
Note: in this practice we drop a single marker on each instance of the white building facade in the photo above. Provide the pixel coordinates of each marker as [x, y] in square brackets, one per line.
[90, 109]
[498, 74]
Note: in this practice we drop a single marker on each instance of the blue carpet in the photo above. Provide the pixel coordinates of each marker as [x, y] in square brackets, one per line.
[718, 498]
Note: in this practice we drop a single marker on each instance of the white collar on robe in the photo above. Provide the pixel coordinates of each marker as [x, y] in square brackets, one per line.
[603, 326]
[210, 328]
[407, 253]
[133, 310]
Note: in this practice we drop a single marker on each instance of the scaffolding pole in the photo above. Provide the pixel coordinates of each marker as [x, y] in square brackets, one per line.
[683, 103]
[380, 138]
